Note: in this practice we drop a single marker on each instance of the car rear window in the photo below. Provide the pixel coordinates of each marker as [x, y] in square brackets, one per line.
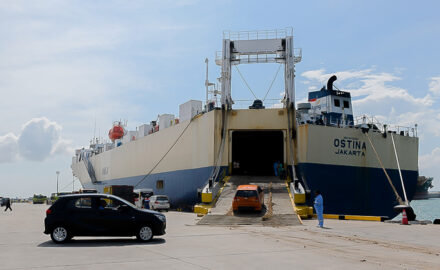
[162, 198]
[246, 193]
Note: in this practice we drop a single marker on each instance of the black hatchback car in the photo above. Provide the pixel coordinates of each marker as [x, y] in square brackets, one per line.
[100, 215]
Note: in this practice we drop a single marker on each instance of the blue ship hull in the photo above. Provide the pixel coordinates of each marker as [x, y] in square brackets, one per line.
[353, 190]
[347, 190]
[180, 186]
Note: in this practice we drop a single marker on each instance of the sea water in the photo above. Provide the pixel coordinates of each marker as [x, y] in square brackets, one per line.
[425, 209]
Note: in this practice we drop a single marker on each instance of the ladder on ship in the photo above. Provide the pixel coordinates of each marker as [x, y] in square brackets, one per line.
[89, 166]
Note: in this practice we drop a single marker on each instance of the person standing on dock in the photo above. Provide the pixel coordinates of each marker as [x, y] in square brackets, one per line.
[8, 204]
[275, 167]
[319, 208]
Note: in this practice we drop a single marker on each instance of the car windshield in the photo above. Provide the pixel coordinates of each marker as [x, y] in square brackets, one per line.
[162, 198]
[246, 193]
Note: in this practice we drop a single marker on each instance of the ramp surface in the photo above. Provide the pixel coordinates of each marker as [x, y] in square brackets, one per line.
[278, 212]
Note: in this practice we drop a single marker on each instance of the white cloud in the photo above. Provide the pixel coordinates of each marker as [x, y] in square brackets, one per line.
[39, 139]
[430, 160]
[427, 124]
[373, 88]
[8, 148]
[321, 76]
[434, 85]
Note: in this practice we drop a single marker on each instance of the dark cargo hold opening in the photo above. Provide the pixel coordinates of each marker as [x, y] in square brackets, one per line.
[255, 152]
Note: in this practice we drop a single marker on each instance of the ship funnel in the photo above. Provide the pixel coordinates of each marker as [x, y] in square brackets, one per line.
[330, 82]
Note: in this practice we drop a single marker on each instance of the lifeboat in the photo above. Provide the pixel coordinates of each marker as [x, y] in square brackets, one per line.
[116, 132]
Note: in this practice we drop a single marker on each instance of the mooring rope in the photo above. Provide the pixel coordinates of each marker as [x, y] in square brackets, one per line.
[399, 199]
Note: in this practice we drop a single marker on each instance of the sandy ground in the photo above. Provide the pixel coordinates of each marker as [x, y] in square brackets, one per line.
[342, 245]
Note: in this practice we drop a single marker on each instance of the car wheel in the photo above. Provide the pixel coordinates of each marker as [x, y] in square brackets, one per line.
[144, 234]
[60, 235]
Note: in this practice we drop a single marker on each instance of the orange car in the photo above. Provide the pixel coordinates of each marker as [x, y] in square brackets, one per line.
[248, 197]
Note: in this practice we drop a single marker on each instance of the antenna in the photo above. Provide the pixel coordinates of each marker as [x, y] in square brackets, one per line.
[207, 84]
[94, 130]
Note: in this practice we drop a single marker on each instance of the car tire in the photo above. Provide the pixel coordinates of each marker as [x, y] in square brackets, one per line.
[60, 235]
[145, 233]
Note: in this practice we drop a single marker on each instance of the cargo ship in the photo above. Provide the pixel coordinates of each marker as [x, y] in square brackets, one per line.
[355, 162]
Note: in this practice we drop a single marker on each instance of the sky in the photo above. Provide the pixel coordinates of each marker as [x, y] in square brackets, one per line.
[68, 69]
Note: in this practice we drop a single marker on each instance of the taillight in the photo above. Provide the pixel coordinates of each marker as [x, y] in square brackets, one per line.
[48, 211]
[157, 202]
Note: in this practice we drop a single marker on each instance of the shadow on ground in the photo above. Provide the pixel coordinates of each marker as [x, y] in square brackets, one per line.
[115, 242]
[251, 213]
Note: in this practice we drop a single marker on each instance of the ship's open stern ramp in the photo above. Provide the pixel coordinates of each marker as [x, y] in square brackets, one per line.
[278, 211]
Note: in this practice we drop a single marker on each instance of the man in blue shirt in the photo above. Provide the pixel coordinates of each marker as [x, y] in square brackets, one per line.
[319, 207]
[275, 167]
[102, 204]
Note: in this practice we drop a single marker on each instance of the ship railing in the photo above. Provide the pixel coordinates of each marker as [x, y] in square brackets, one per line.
[327, 120]
[258, 34]
[373, 121]
[268, 103]
[278, 57]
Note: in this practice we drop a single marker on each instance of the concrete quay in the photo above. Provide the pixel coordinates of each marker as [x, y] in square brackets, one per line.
[342, 245]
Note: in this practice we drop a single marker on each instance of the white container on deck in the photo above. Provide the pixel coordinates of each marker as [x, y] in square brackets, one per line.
[130, 136]
[108, 146]
[165, 120]
[189, 109]
[143, 130]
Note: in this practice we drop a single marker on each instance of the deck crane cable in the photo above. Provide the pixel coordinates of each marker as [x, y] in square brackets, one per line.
[70, 183]
[244, 80]
[273, 80]
[399, 199]
[166, 153]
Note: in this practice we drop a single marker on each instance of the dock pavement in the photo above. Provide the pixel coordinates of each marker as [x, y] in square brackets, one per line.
[341, 245]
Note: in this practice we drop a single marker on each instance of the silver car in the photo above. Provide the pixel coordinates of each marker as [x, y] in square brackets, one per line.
[159, 202]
